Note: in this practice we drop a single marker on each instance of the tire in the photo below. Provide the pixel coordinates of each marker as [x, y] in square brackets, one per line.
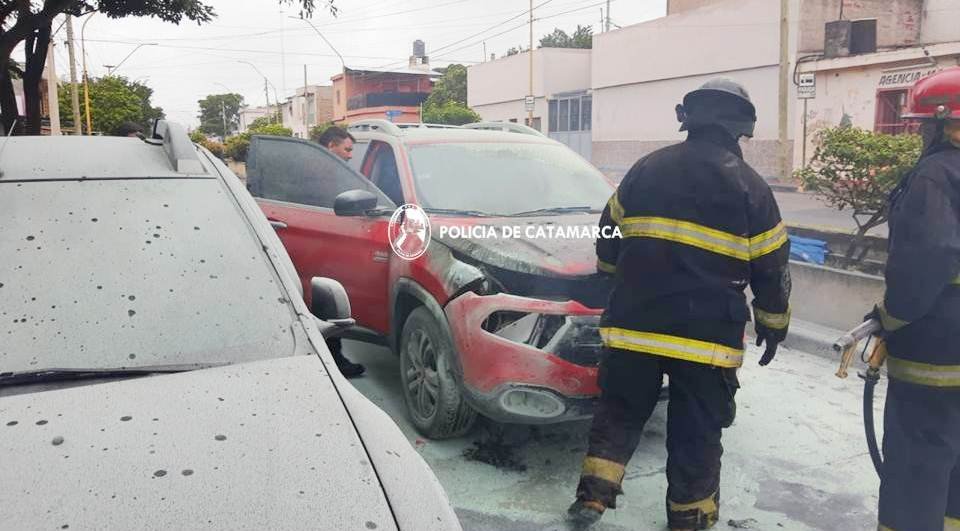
[434, 402]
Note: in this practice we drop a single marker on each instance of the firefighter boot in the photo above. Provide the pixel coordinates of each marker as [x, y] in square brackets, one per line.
[585, 513]
[693, 516]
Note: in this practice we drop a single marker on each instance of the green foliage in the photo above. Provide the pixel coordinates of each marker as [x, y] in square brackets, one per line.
[857, 169]
[197, 136]
[216, 109]
[452, 86]
[272, 118]
[237, 146]
[317, 131]
[450, 113]
[216, 148]
[113, 100]
[581, 38]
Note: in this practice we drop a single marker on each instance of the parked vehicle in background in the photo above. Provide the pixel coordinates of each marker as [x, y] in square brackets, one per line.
[507, 328]
[158, 366]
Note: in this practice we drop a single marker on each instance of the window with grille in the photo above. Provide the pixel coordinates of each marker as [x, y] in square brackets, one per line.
[570, 113]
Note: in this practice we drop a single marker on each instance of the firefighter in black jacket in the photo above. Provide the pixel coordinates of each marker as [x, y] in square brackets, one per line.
[698, 226]
[920, 313]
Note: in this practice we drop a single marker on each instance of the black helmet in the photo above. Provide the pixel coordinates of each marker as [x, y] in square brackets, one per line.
[720, 101]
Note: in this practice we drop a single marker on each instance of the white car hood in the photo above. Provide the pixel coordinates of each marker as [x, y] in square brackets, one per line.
[262, 445]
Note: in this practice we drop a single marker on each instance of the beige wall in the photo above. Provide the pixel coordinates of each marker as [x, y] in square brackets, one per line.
[679, 6]
[507, 79]
[898, 21]
[725, 36]
[940, 21]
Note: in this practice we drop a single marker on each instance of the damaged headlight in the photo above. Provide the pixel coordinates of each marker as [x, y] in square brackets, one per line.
[534, 329]
[573, 338]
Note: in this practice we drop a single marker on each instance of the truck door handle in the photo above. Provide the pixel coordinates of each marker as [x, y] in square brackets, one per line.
[277, 224]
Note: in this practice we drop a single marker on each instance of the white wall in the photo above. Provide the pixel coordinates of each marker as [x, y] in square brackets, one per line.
[508, 110]
[940, 21]
[725, 36]
[507, 79]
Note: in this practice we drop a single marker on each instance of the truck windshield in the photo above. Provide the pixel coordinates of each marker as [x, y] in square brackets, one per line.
[505, 178]
[132, 273]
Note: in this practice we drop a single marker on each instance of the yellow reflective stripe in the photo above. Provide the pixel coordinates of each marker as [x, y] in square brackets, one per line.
[767, 242]
[882, 527]
[706, 505]
[951, 524]
[672, 347]
[777, 321]
[956, 281]
[603, 468]
[616, 209]
[889, 322]
[688, 233]
[927, 374]
[606, 267]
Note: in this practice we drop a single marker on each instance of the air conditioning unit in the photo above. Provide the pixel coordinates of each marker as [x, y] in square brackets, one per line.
[843, 38]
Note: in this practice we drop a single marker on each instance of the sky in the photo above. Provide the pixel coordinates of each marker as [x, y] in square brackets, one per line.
[184, 63]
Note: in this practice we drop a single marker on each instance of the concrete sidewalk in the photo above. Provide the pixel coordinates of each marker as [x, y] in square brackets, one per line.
[795, 458]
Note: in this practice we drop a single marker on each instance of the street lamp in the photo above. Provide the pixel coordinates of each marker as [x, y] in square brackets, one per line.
[343, 63]
[266, 82]
[86, 84]
[112, 69]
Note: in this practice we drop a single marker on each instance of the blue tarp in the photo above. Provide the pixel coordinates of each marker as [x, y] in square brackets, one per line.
[808, 250]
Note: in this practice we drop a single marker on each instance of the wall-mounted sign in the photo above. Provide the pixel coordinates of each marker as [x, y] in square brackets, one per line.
[807, 86]
[528, 103]
[904, 78]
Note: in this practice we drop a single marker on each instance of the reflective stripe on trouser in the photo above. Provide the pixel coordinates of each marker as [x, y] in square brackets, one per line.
[920, 489]
[700, 514]
[926, 374]
[949, 524]
[606, 267]
[706, 238]
[701, 404]
[956, 281]
[680, 348]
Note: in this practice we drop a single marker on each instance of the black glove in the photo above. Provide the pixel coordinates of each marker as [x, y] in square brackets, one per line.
[773, 339]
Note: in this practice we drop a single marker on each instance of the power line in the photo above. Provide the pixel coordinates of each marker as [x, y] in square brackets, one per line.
[495, 26]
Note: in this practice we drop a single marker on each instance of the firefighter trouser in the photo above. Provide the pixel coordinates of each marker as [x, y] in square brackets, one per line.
[920, 490]
[701, 405]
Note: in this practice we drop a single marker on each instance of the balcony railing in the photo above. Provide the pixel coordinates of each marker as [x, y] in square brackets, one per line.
[387, 99]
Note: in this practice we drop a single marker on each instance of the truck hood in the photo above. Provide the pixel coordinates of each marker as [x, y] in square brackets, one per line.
[261, 445]
[534, 252]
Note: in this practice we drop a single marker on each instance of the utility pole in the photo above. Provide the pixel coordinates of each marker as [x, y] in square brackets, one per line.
[86, 79]
[53, 98]
[266, 94]
[223, 116]
[607, 20]
[74, 90]
[785, 162]
[306, 123]
[530, 53]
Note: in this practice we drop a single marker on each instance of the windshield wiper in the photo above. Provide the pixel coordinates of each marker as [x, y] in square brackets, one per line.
[555, 210]
[56, 375]
[457, 212]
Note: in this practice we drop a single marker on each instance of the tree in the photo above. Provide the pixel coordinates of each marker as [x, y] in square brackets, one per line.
[581, 38]
[450, 113]
[237, 146]
[857, 169]
[114, 100]
[272, 118]
[218, 111]
[29, 22]
[452, 86]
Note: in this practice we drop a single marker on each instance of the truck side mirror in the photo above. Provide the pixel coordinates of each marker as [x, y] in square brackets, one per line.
[330, 304]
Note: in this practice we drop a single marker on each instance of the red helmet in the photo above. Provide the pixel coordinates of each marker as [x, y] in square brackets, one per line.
[936, 97]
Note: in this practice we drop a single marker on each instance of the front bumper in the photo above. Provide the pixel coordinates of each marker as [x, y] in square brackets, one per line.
[511, 378]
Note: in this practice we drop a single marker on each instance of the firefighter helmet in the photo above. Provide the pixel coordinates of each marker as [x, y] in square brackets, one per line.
[936, 97]
[720, 101]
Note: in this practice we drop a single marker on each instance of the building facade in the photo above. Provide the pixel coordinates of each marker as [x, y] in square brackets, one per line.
[395, 94]
[249, 114]
[915, 38]
[309, 106]
[561, 89]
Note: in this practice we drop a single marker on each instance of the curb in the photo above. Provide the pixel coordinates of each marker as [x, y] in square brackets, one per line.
[810, 338]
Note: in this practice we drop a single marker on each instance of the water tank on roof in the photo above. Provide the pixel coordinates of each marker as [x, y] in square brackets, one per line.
[419, 48]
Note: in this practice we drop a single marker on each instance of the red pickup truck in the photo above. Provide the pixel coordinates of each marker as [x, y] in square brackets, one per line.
[502, 326]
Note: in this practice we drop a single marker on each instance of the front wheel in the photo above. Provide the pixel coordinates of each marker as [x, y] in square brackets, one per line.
[430, 391]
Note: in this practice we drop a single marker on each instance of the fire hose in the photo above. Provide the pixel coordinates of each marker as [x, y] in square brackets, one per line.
[847, 346]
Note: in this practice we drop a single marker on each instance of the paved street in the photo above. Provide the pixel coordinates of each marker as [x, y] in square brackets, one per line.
[795, 458]
[799, 208]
